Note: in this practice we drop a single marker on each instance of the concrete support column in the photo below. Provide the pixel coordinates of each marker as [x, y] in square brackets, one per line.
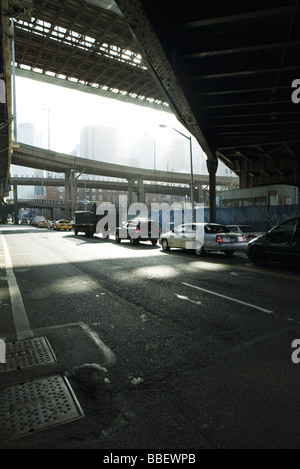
[73, 193]
[200, 193]
[212, 166]
[130, 190]
[16, 204]
[245, 180]
[67, 194]
[141, 193]
[243, 176]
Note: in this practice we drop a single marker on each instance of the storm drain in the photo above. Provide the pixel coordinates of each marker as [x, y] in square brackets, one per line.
[27, 354]
[34, 405]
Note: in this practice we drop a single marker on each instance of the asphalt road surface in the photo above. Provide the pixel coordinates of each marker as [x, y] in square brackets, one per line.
[158, 350]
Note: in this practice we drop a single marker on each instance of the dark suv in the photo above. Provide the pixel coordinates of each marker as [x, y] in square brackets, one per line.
[138, 229]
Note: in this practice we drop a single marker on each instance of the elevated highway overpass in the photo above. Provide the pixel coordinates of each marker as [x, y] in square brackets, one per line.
[48, 160]
[134, 179]
[230, 72]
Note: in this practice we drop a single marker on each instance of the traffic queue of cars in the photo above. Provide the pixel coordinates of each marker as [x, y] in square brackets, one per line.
[58, 225]
[280, 244]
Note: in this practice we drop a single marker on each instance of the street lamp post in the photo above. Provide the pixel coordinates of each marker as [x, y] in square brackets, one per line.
[191, 162]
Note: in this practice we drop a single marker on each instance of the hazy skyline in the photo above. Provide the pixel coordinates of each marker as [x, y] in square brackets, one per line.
[60, 114]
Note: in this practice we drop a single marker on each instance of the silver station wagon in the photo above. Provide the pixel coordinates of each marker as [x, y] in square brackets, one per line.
[202, 238]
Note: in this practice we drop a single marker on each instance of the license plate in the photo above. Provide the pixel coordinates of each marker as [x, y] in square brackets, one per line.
[233, 240]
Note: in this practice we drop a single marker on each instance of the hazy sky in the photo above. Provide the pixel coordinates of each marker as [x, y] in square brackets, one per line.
[70, 110]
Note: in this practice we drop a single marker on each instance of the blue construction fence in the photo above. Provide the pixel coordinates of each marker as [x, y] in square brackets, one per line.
[262, 217]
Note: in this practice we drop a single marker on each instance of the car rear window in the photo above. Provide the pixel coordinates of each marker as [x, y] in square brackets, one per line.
[216, 229]
[247, 228]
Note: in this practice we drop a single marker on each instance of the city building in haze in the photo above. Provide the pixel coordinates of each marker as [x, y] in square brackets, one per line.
[27, 134]
[143, 153]
[98, 143]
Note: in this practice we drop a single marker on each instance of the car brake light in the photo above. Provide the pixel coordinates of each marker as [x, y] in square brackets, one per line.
[137, 229]
[244, 238]
[219, 239]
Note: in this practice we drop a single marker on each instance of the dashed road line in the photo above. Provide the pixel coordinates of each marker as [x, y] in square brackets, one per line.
[229, 298]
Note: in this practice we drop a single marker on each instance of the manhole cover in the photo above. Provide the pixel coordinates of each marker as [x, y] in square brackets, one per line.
[34, 405]
[27, 353]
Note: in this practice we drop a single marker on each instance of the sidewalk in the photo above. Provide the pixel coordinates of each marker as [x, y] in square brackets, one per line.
[38, 405]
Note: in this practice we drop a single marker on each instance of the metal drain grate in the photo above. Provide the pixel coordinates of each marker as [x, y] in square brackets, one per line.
[35, 405]
[27, 353]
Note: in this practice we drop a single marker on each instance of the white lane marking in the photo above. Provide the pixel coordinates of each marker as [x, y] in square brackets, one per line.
[22, 325]
[105, 349]
[229, 298]
[181, 297]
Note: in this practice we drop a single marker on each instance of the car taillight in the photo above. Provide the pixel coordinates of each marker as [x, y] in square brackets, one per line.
[244, 238]
[219, 239]
[137, 229]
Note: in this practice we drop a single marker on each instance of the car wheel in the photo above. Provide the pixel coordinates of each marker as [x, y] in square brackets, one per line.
[118, 239]
[75, 231]
[154, 242]
[228, 253]
[257, 256]
[199, 250]
[165, 245]
[132, 241]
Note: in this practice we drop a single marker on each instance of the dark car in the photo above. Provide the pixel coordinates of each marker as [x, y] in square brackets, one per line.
[280, 244]
[138, 229]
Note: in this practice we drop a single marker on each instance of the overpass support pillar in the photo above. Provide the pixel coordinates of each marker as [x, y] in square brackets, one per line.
[200, 193]
[141, 192]
[67, 194]
[245, 181]
[73, 193]
[130, 190]
[212, 165]
[16, 204]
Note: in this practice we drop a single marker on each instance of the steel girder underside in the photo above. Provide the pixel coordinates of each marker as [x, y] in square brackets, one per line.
[238, 66]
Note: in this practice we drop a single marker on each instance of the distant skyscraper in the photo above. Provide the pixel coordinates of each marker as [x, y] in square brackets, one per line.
[98, 143]
[142, 154]
[178, 156]
[28, 135]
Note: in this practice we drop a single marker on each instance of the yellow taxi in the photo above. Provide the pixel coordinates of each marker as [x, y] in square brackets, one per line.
[44, 224]
[63, 225]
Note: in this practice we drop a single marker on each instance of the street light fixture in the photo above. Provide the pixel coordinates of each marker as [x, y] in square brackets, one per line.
[191, 161]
